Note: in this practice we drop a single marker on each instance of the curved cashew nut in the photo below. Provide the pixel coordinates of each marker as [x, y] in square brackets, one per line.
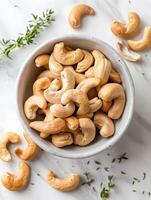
[72, 123]
[6, 138]
[78, 76]
[77, 13]
[127, 30]
[88, 84]
[40, 85]
[104, 123]
[30, 152]
[68, 82]
[88, 115]
[86, 62]
[32, 104]
[55, 67]
[55, 85]
[114, 76]
[126, 53]
[42, 60]
[58, 110]
[62, 139]
[19, 181]
[102, 67]
[142, 44]
[113, 91]
[65, 57]
[86, 135]
[90, 72]
[48, 127]
[71, 182]
[95, 104]
[45, 74]
[78, 97]
[106, 106]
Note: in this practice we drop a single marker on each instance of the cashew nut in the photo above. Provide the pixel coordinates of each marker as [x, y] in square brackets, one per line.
[104, 123]
[65, 57]
[6, 138]
[127, 30]
[78, 76]
[90, 73]
[86, 134]
[32, 104]
[68, 82]
[114, 76]
[77, 13]
[88, 115]
[55, 67]
[30, 152]
[88, 84]
[126, 53]
[85, 63]
[95, 104]
[42, 60]
[62, 139]
[143, 43]
[72, 123]
[106, 106]
[46, 74]
[102, 67]
[78, 97]
[71, 182]
[19, 181]
[58, 110]
[48, 127]
[113, 91]
[40, 85]
[55, 85]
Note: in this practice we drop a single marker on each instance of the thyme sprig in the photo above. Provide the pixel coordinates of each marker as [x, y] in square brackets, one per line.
[35, 26]
[106, 191]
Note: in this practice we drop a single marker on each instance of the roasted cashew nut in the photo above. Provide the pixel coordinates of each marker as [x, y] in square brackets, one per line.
[42, 60]
[90, 73]
[88, 115]
[40, 85]
[95, 104]
[88, 84]
[125, 52]
[48, 127]
[110, 92]
[62, 139]
[104, 123]
[58, 110]
[55, 85]
[71, 182]
[85, 63]
[78, 76]
[30, 152]
[19, 181]
[32, 104]
[78, 97]
[45, 74]
[55, 67]
[114, 76]
[86, 135]
[106, 106]
[142, 44]
[77, 13]
[68, 82]
[72, 123]
[65, 57]
[127, 30]
[5, 139]
[102, 67]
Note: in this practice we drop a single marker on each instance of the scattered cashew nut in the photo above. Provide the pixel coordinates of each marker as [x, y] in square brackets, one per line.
[5, 139]
[104, 123]
[62, 139]
[19, 181]
[142, 44]
[127, 30]
[77, 13]
[30, 152]
[42, 60]
[71, 182]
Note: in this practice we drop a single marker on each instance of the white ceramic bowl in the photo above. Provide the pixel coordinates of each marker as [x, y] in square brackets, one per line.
[27, 77]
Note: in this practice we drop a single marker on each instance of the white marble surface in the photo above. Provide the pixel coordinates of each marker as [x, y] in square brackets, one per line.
[137, 140]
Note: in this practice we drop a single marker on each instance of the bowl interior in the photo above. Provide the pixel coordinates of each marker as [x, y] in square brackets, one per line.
[29, 73]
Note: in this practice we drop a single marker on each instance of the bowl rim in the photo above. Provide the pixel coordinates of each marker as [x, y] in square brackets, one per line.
[131, 90]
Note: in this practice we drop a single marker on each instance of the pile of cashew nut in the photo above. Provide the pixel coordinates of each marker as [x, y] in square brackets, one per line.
[79, 94]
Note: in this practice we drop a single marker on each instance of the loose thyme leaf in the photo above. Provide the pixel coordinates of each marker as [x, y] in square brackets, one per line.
[33, 29]
[144, 175]
[97, 162]
[122, 157]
